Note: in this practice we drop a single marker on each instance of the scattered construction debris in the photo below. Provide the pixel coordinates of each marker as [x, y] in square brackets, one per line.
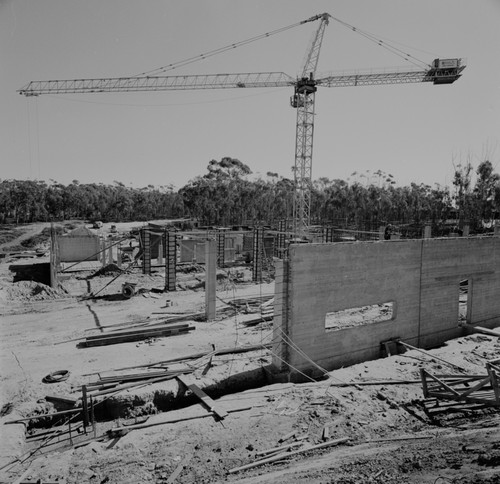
[484, 390]
[285, 454]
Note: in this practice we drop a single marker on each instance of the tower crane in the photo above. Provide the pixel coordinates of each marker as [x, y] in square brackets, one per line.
[440, 71]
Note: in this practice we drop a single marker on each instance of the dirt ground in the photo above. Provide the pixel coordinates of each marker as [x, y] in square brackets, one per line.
[392, 437]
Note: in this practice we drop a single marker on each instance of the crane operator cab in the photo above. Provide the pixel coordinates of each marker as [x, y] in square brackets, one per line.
[303, 87]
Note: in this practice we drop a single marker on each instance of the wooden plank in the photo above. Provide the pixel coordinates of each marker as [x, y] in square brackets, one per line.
[141, 376]
[494, 381]
[45, 415]
[179, 469]
[126, 386]
[61, 399]
[289, 454]
[85, 413]
[443, 384]
[225, 351]
[207, 401]
[423, 375]
[476, 387]
[489, 332]
[115, 334]
[406, 345]
[277, 449]
[288, 436]
[133, 338]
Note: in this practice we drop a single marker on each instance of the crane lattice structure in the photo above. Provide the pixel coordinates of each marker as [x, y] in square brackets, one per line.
[440, 71]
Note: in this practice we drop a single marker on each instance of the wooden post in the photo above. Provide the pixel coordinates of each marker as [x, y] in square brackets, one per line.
[381, 232]
[110, 254]
[92, 416]
[466, 230]
[85, 410]
[210, 278]
[328, 235]
[496, 232]
[427, 232]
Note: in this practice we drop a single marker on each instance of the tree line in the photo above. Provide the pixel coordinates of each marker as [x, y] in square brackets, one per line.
[228, 195]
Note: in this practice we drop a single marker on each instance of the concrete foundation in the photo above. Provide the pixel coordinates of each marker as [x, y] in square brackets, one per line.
[420, 278]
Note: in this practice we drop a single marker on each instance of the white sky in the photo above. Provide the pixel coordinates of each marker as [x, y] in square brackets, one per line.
[412, 131]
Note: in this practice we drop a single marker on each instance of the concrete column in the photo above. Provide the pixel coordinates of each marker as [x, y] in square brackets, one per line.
[160, 252]
[280, 320]
[110, 254]
[170, 261]
[119, 257]
[466, 230]
[381, 232]
[146, 252]
[221, 245]
[210, 278]
[103, 252]
[427, 232]
[496, 232]
[258, 253]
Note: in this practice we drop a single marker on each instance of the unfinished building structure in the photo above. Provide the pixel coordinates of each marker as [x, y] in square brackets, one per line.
[336, 304]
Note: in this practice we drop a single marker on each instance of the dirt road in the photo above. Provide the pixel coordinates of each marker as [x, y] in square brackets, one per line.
[25, 233]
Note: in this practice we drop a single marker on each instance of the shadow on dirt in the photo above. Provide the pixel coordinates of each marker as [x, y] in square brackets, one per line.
[31, 272]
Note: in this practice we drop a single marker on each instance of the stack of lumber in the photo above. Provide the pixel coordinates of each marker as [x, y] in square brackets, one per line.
[251, 304]
[117, 382]
[263, 306]
[112, 338]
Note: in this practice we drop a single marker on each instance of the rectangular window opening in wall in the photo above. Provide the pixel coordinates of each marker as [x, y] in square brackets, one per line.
[352, 317]
[463, 301]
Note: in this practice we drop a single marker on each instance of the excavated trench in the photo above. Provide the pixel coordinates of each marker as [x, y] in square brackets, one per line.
[28, 436]
[157, 398]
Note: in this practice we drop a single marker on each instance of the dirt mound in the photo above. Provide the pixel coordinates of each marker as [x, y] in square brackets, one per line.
[110, 269]
[28, 291]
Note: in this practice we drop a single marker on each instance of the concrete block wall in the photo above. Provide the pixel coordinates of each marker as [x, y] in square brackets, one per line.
[76, 249]
[420, 277]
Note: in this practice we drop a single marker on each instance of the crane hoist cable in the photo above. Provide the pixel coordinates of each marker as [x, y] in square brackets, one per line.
[385, 45]
[220, 50]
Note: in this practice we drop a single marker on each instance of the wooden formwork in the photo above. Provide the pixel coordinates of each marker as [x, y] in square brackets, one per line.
[482, 389]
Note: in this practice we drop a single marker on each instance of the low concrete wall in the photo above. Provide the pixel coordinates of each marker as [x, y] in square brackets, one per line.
[420, 277]
[76, 249]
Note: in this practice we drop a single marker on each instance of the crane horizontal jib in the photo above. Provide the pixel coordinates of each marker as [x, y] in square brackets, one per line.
[159, 83]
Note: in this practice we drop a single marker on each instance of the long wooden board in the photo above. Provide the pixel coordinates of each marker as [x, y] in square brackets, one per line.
[207, 401]
[115, 334]
[136, 337]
